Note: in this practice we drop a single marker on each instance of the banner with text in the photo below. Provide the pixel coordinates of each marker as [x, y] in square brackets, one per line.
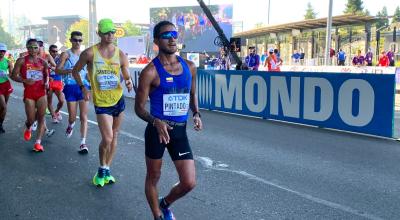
[361, 103]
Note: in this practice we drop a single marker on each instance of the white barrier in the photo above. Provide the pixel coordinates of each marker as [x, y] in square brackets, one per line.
[340, 69]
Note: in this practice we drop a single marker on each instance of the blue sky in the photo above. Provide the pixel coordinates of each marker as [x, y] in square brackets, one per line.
[249, 12]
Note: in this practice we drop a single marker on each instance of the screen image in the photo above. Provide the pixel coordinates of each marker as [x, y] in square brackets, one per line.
[196, 32]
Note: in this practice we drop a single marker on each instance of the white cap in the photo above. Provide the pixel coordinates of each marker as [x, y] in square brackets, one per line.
[271, 50]
[3, 46]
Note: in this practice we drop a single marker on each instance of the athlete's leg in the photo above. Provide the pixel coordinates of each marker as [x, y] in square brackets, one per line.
[61, 100]
[187, 180]
[83, 112]
[50, 102]
[152, 177]
[30, 110]
[41, 106]
[72, 108]
[115, 127]
[3, 108]
[106, 129]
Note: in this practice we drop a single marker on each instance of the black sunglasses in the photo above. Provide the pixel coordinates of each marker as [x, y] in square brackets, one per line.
[54, 51]
[110, 32]
[76, 40]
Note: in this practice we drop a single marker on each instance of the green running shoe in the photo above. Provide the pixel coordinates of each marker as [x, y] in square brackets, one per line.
[98, 179]
[108, 179]
[47, 111]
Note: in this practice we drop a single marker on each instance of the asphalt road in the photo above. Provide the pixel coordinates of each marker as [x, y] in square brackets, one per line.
[247, 168]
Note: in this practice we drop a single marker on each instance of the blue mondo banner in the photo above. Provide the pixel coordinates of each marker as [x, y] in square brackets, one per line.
[362, 103]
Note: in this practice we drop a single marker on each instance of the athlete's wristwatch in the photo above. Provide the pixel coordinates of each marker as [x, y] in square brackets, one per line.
[196, 113]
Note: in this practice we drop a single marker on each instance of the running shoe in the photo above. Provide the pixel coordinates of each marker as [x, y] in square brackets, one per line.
[167, 213]
[34, 126]
[2, 131]
[69, 131]
[83, 149]
[47, 111]
[108, 179]
[49, 132]
[55, 120]
[38, 147]
[98, 179]
[27, 134]
[59, 116]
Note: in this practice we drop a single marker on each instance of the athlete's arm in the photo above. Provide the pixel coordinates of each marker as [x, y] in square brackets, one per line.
[15, 74]
[46, 73]
[50, 61]
[60, 67]
[84, 59]
[194, 105]
[10, 66]
[146, 80]
[125, 71]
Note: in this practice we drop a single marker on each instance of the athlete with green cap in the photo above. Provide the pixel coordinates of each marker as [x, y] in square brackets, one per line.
[105, 62]
[6, 67]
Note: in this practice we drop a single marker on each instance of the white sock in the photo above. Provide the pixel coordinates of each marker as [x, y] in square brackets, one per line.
[83, 141]
[107, 167]
[38, 141]
[103, 167]
[72, 125]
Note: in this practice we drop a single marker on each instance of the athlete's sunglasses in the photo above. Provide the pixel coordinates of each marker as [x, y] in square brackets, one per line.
[110, 32]
[169, 35]
[54, 51]
[33, 47]
[76, 40]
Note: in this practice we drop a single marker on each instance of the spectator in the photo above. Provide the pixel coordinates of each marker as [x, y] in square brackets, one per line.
[264, 56]
[358, 60]
[368, 57]
[296, 57]
[223, 61]
[252, 60]
[302, 55]
[272, 62]
[383, 59]
[390, 55]
[332, 53]
[341, 56]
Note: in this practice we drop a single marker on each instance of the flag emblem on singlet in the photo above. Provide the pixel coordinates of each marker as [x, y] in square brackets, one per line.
[170, 79]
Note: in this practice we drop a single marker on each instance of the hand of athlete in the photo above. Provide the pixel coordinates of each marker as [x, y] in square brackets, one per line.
[198, 124]
[29, 81]
[86, 94]
[46, 85]
[129, 84]
[162, 129]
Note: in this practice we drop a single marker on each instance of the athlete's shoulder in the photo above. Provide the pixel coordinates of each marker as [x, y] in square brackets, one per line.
[189, 63]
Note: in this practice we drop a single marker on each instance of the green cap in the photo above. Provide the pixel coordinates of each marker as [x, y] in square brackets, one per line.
[106, 25]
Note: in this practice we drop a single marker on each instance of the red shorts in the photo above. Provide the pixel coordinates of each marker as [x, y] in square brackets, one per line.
[34, 92]
[6, 88]
[56, 85]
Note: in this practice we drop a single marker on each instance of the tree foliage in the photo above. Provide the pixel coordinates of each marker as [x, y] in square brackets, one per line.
[310, 13]
[354, 7]
[131, 29]
[383, 21]
[6, 38]
[82, 26]
[396, 17]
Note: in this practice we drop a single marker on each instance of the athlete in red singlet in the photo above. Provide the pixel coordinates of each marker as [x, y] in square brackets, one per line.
[32, 71]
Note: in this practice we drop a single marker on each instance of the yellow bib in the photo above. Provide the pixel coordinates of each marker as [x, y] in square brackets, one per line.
[106, 79]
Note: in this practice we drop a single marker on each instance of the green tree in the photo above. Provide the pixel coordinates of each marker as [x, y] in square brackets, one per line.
[82, 26]
[131, 29]
[6, 38]
[396, 17]
[310, 13]
[383, 20]
[354, 7]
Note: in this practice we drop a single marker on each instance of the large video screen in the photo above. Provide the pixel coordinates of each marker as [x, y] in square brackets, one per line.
[196, 32]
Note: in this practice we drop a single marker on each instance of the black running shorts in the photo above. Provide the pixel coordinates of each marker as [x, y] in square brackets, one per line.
[178, 147]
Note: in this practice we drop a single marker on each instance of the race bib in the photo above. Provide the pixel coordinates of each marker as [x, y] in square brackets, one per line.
[107, 81]
[36, 75]
[176, 104]
[3, 74]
